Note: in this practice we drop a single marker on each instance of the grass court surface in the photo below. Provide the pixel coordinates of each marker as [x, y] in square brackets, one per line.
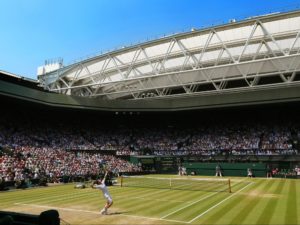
[252, 201]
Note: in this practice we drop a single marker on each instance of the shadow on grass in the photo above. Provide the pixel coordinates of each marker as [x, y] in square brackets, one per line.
[118, 213]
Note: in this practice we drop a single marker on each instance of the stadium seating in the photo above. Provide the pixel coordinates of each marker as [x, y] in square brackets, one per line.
[37, 151]
[49, 217]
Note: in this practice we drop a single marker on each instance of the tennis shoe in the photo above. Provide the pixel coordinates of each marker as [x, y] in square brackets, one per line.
[103, 212]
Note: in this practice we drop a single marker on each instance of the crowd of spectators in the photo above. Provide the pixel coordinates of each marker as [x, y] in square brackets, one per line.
[54, 164]
[56, 150]
[237, 139]
[222, 139]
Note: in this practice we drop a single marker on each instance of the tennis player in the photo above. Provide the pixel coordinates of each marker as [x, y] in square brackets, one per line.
[250, 174]
[218, 170]
[100, 184]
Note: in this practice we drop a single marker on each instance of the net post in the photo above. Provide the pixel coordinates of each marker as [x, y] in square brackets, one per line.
[170, 183]
[229, 186]
[121, 181]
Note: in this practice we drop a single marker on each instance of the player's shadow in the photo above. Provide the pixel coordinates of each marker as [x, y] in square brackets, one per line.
[118, 213]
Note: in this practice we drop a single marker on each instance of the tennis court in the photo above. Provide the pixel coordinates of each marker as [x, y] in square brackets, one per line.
[252, 201]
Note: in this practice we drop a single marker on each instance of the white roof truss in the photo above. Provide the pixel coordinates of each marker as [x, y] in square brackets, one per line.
[198, 62]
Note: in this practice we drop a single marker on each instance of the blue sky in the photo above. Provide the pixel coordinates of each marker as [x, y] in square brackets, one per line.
[32, 31]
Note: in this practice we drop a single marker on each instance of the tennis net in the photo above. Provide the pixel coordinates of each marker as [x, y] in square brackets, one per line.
[192, 184]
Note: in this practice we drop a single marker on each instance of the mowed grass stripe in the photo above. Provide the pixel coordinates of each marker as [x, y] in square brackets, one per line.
[166, 194]
[150, 208]
[194, 210]
[136, 191]
[218, 204]
[151, 193]
[19, 197]
[271, 203]
[147, 193]
[95, 196]
[140, 207]
[190, 211]
[29, 192]
[291, 216]
[297, 197]
[136, 203]
[92, 203]
[47, 194]
[42, 193]
[182, 195]
[164, 198]
[250, 202]
[54, 197]
[36, 189]
[261, 199]
[261, 192]
[162, 207]
[79, 194]
[50, 200]
[96, 200]
[73, 194]
[49, 191]
[202, 199]
[278, 216]
[229, 209]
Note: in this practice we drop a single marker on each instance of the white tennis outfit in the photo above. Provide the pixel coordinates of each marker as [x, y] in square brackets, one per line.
[105, 192]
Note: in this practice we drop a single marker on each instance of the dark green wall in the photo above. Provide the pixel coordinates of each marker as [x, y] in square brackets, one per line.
[228, 169]
[134, 160]
[168, 164]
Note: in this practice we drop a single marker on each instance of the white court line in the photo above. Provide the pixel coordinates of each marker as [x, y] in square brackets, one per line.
[150, 199]
[98, 213]
[65, 196]
[60, 197]
[192, 203]
[197, 217]
[155, 192]
[152, 193]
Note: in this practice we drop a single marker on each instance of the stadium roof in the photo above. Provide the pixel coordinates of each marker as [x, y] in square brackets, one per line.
[253, 54]
[21, 93]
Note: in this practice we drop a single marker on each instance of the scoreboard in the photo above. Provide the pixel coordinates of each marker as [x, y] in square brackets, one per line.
[159, 163]
[147, 161]
[166, 164]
